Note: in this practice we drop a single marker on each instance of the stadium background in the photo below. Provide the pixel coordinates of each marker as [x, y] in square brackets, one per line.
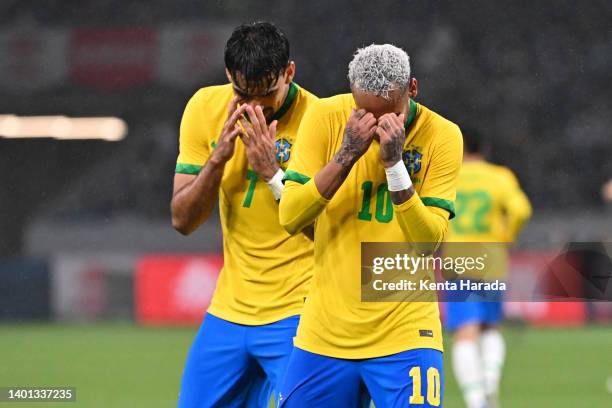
[94, 281]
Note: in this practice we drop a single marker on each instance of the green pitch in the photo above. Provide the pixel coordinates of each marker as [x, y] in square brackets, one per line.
[121, 365]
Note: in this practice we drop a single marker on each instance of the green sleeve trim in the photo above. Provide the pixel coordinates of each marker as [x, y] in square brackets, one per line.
[295, 176]
[291, 95]
[441, 203]
[187, 168]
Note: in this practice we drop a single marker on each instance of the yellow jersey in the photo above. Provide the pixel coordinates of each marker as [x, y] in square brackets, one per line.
[335, 322]
[490, 205]
[491, 210]
[266, 271]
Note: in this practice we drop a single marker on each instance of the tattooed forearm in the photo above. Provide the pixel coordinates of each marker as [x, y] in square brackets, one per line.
[351, 149]
[391, 152]
[344, 157]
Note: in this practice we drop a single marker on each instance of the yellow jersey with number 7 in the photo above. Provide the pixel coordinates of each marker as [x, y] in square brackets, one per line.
[266, 271]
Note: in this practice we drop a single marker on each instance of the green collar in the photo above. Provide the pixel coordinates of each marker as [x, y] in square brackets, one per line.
[411, 114]
[291, 95]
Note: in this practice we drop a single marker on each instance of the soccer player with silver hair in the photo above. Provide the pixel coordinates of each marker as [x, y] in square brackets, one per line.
[371, 165]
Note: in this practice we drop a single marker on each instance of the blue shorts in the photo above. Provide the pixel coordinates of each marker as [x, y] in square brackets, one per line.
[466, 307]
[412, 378]
[234, 365]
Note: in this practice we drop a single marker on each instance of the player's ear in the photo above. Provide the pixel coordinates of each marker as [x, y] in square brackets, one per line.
[413, 88]
[228, 75]
[290, 72]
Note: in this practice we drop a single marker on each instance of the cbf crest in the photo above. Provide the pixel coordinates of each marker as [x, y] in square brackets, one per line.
[412, 159]
[283, 151]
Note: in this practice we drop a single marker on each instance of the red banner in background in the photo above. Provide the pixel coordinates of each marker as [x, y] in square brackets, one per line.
[526, 281]
[112, 58]
[175, 289]
[33, 59]
[525, 270]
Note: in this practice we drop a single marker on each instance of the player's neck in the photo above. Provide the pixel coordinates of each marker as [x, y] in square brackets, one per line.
[470, 157]
[286, 94]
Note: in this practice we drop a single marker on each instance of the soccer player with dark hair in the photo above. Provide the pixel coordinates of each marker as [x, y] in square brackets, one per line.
[491, 208]
[235, 141]
[372, 165]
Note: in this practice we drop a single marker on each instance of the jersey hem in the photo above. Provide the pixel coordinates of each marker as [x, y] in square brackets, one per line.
[240, 318]
[365, 353]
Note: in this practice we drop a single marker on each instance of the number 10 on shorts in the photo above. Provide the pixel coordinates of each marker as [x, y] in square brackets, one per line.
[433, 386]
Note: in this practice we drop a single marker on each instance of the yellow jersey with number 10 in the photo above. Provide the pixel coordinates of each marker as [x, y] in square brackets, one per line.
[335, 322]
[266, 271]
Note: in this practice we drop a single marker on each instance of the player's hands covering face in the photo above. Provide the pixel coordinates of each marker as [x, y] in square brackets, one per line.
[227, 140]
[392, 136]
[259, 141]
[358, 135]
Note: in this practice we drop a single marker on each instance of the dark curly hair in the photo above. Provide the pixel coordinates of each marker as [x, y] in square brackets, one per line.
[259, 52]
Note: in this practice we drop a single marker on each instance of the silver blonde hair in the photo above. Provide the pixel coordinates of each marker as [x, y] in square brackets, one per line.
[379, 69]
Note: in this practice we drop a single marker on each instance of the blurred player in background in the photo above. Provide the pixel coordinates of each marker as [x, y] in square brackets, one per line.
[368, 166]
[606, 191]
[491, 208]
[235, 141]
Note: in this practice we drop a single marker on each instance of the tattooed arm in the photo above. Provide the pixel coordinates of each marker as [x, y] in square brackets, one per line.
[421, 224]
[303, 202]
[392, 137]
[358, 135]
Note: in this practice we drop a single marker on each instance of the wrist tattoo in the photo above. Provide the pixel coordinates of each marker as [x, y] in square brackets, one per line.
[392, 152]
[351, 149]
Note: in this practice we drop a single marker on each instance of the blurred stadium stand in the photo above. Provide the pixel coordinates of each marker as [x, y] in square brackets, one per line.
[533, 76]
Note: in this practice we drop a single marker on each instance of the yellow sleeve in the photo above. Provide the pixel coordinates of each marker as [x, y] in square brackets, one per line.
[439, 187]
[424, 217]
[516, 205]
[194, 146]
[421, 223]
[301, 203]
